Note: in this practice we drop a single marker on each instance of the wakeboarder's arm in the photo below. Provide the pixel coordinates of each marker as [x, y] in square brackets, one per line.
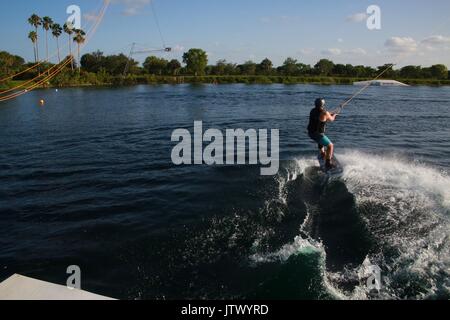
[328, 117]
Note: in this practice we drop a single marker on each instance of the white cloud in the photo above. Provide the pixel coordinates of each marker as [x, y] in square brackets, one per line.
[409, 51]
[436, 40]
[133, 7]
[401, 44]
[357, 17]
[340, 40]
[428, 47]
[306, 51]
[337, 52]
[332, 52]
[357, 51]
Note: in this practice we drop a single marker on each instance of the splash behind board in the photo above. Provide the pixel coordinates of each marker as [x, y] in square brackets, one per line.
[333, 173]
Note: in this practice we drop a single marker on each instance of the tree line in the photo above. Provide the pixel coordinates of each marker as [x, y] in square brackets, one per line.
[195, 63]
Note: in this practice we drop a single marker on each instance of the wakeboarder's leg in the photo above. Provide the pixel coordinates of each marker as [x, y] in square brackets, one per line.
[323, 154]
[330, 151]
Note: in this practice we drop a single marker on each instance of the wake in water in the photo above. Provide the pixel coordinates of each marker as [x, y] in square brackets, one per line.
[398, 220]
[304, 239]
[406, 208]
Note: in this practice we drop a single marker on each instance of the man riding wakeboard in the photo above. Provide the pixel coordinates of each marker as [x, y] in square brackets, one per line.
[318, 119]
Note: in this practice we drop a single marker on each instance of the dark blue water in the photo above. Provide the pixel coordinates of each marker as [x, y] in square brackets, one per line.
[88, 180]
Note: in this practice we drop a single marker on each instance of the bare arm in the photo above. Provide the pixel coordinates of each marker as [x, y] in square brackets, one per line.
[328, 117]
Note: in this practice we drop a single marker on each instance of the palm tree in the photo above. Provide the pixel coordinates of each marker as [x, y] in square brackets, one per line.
[46, 25]
[36, 21]
[33, 37]
[68, 28]
[79, 39]
[56, 32]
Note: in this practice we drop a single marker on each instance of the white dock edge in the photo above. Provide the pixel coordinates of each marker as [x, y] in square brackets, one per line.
[19, 287]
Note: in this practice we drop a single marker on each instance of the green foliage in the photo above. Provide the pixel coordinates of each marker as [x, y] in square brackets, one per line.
[324, 67]
[93, 62]
[223, 68]
[248, 68]
[155, 65]
[151, 79]
[173, 67]
[35, 20]
[411, 72]
[265, 67]
[47, 23]
[56, 30]
[10, 64]
[290, 67]
[114, 64]
[389, 73]
[98, 69]
[439, 71]
[196, 61]
[69, 78]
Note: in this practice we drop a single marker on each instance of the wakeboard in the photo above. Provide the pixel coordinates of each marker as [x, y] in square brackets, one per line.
[336, 172]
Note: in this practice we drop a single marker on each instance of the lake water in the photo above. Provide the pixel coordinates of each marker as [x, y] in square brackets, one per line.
[88, 180]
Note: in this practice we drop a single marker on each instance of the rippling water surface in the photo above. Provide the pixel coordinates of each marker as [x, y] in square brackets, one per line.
[88, 180]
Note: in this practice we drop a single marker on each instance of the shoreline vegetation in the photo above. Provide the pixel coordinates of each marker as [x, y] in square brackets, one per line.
[91, 80]
[98, 69]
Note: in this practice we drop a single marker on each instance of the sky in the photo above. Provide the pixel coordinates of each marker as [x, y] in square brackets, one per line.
[412, 31]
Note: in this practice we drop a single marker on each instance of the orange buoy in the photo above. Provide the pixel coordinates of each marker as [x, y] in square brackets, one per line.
[42, 102]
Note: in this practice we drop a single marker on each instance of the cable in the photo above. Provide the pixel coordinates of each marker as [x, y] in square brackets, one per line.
[343, 105]
[31, 88]
[29, 81]
[40, 82]
[157, 23]
[41, 62]
[91, 32]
